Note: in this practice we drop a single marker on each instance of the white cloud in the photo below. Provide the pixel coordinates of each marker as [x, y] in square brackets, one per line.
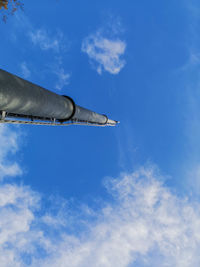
[107, 53]
[8, 146]
[16, 216]
[63, 79]
[25, 70]
[57, 44]
[53, 46]
[42, 38]
[62, 76]
[145, 224]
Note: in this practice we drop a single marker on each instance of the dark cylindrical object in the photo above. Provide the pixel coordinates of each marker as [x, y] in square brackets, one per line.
[83, 114]
[23, 98]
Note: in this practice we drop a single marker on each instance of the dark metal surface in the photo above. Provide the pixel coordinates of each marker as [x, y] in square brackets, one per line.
[20, 98]
[84, 114]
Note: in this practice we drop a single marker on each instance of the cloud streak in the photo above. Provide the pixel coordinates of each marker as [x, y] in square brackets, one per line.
[62, 76]
[56, 45]
[41, 38]
[25, 70]
[189, 74]
[8, 145]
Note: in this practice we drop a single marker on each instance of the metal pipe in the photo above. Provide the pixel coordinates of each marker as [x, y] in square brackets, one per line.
[23, 98]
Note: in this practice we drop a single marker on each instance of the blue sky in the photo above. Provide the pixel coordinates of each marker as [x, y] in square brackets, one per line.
[111, 196]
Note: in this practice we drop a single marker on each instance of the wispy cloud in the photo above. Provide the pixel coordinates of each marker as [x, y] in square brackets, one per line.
[144, 224]
[43, 39]
[190, 94]
[105, 52]
[52, 45]
[50, 42]
[55, 44]
[26, 73]
[63, 77]
[8, 145]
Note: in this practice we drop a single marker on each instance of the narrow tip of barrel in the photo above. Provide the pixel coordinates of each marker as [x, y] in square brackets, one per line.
[112, 122]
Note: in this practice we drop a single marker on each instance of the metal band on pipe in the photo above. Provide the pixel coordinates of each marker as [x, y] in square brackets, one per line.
[106, 119]
[73, 111]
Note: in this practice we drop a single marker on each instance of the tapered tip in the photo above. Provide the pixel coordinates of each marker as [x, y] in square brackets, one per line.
[112, 122]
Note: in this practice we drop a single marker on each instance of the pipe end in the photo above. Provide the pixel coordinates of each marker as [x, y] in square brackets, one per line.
[112, 122]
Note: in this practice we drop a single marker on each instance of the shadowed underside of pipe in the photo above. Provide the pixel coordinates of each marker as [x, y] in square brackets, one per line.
[24, 100]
